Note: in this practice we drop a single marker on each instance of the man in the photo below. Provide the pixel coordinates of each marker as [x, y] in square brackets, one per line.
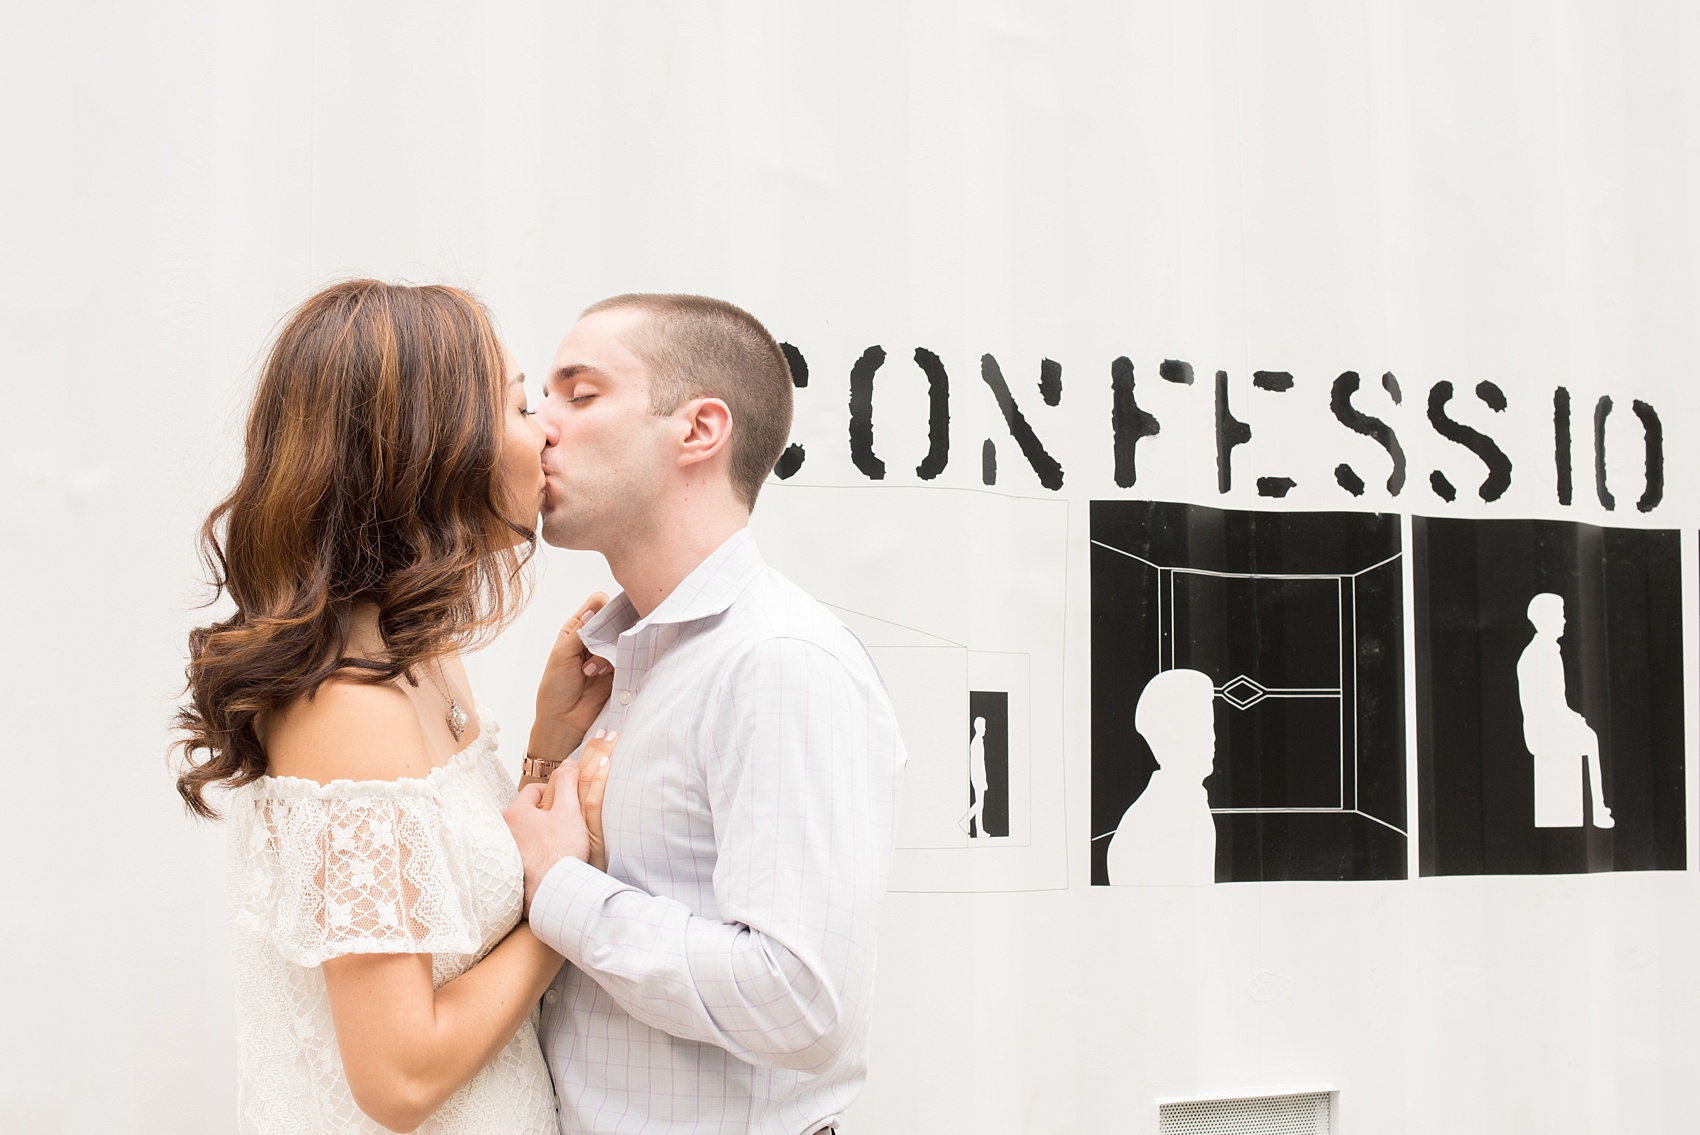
[1167, 837]
[1563, 744]
[721, 971]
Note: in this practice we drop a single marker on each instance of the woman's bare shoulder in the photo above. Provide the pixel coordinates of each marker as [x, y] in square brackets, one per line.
[348, 730]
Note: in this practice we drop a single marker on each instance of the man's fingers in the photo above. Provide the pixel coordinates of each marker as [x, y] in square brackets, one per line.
[531, 796]
[563, 779]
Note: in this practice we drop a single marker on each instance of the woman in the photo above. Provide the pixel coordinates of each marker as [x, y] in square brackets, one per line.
[381, 524]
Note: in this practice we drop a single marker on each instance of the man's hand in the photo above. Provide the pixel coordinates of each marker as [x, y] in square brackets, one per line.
[562, 819]
[573, 689]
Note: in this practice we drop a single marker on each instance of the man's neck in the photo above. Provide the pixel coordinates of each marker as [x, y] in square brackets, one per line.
[651, 563]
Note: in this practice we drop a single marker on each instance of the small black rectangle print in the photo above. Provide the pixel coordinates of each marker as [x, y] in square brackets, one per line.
[988, 764]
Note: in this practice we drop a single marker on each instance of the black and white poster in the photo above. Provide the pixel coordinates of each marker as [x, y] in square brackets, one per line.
[963, 612]
[1549, 697]
[1247, 695]
[988, 765]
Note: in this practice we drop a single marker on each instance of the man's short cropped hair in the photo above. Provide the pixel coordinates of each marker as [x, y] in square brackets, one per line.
[700, 347]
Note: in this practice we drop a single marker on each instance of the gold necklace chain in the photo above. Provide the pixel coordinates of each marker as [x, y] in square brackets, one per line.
[455, 718]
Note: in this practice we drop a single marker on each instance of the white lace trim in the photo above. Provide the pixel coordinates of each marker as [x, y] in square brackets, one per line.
[418, 866]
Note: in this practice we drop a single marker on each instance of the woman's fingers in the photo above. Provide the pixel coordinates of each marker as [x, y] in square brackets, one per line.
[593, 771]
[594, 763]
[568, 636]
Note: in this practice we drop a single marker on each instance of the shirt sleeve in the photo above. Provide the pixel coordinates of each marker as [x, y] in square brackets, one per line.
[330, 875]
[802, 766]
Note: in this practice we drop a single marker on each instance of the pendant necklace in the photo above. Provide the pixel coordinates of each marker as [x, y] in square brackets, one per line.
[455, 717]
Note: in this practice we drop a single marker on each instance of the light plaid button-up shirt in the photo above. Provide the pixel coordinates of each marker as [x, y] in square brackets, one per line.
[721, 973]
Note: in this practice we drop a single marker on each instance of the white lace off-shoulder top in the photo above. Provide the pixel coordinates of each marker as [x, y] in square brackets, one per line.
[418, 866]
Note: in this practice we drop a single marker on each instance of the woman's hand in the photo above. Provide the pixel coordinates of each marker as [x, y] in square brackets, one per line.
[562, 818]
[573, 689]
[592, 782]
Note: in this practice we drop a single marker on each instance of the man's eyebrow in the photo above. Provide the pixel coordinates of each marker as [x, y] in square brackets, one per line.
[573, 370]
[519, 378]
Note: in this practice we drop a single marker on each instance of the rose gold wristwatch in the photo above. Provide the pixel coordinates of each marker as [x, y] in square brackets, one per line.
[533, 766]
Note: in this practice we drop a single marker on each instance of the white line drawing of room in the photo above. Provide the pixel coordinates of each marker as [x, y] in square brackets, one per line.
[1183, 589]
[929, 679]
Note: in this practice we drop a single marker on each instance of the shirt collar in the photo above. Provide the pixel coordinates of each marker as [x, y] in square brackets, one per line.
[707, 591]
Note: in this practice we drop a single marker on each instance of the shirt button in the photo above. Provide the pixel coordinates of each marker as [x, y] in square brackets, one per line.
[551, 997]
[625, 697]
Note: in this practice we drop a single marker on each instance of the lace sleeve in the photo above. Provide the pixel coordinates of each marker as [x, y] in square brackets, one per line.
[327, 875]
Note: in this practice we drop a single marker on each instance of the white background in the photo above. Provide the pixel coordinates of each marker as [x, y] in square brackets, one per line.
[1460, 191]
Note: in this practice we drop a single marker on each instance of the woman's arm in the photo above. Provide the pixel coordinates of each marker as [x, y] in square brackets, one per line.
[572, 691]
[407, 1047]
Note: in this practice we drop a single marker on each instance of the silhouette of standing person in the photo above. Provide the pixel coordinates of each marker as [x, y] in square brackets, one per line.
[974, 822]
[1559, 738]
[1168, 836]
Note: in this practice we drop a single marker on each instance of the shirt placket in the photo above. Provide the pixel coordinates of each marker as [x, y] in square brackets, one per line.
[634, 654]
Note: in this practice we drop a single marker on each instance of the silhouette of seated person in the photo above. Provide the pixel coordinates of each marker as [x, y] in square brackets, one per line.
[1563, 744]
[1167, 836]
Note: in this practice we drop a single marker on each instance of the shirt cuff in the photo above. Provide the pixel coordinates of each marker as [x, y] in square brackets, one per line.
[567, 903]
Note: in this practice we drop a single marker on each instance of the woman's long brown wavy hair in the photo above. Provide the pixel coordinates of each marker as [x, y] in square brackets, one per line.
[371, 477]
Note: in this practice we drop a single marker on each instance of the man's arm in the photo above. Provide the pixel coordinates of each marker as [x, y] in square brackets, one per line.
[802, 775]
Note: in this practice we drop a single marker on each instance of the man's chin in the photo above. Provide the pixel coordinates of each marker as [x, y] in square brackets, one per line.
[558, 532]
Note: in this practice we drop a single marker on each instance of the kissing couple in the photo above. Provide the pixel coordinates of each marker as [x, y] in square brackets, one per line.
[669, 926]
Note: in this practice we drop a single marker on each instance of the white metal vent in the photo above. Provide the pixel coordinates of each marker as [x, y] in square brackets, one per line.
[1309, 1113]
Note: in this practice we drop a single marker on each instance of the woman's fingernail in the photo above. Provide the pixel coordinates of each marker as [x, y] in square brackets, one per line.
[600, 733]
[614, 736]
[590, 670]
[604, 763]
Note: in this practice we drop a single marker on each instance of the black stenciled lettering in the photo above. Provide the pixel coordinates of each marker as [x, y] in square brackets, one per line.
[862, 413]
[789, 462]
[1276, 380]
[989, 463]
[938, 415]
[1050, 381]
[1654, 431]
[1230, 431]
[799, 365]
[1174, 370]
[1049, 471]
[1275, 486]
[1498, 465]
[1128, 423]
[792, 459]
[1340, 401]
[1561, 442]
[1442, 487]
[1602, 411]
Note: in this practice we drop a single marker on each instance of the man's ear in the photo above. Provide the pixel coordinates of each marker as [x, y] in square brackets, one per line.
[707, 424]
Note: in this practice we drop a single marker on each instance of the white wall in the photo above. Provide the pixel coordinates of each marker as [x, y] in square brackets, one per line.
[1458, 191]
